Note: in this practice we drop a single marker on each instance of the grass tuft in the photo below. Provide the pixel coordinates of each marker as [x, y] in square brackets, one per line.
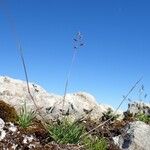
[25, 117]
[143, 117]
[95, 143]
[65, 132]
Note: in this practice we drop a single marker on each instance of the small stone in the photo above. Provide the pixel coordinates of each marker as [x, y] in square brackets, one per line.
[2, 124]
[2, 134]
[28, 139]
[12, 128]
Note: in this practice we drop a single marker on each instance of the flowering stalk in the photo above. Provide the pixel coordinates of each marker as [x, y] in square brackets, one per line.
[78, 42]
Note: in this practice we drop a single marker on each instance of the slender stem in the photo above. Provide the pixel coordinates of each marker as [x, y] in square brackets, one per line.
[68, 77]
[26, 75]
[77, 44]
[18, 43]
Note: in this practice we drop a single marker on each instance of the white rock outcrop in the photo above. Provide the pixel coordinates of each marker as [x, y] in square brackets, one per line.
[14, 92]
[135, 136]
[139, 107]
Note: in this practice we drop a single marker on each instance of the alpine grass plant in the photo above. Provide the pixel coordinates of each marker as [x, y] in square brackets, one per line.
[66, 132]
[25, 117]
[95, 143]
[143, 117]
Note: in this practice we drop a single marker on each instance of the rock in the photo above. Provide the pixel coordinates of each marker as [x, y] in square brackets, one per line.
[135, 136]
[2, 124]
[14, 92]
[27, 139]
[2, 132]
[138, 107]
[11, 127]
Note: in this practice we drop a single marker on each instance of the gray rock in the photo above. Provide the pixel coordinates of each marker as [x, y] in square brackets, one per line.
[135, 136]
[2, 132]
[139, 107]
[2, 124]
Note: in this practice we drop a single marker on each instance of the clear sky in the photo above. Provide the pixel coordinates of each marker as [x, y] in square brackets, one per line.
[116, 52]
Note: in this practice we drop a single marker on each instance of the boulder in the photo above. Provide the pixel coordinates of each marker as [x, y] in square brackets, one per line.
[135, 136]
[138, 107]
[77, 105]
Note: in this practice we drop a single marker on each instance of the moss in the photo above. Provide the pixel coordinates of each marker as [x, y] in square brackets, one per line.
[7, 112]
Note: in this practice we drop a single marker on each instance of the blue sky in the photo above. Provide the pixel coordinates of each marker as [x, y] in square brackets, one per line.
[116, 52]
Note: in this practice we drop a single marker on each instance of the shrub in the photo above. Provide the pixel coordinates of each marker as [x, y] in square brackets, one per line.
[25, 117]
[95, 143]
[65, 132]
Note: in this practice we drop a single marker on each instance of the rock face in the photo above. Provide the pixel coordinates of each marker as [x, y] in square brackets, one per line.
[135, 136]
[14, 92]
